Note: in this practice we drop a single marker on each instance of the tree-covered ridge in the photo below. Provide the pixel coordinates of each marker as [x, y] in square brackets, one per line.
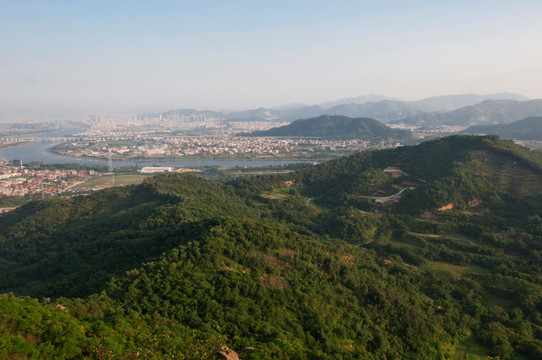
[300, 265]
[256, 285]
[429, 160]
[287, 295]
[338, 127]
[458, 169]
[259, 286]
[78, 243]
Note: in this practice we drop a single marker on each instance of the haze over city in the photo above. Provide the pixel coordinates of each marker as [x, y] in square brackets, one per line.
[70, 58]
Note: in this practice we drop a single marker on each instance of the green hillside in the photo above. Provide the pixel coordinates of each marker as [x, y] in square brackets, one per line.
[338, 127]
[72, 246]
[419, 252]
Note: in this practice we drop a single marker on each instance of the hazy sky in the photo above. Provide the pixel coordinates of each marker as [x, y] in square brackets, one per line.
[64, 57]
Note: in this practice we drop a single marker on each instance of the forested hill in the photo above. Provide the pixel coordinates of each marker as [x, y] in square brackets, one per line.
[526, 129]
[455, 170]
[338, 127]
[73, 246]
[419, 252]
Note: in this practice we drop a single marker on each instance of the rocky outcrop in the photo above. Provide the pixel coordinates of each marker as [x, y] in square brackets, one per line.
[475, 202]
[446, 207]
[225, 353]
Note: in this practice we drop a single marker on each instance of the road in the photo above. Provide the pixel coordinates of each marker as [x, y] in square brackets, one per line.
[382, 199]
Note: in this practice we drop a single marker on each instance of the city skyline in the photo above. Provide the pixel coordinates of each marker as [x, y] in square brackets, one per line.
[66, 58]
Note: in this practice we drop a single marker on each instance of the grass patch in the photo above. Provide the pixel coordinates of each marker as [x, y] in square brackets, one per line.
[442, 266]
[470, 351]
[457, 270]
[490, 300]
[275, 196]
[478, 270]
[279, 192]
[120, 180]
[413, 245]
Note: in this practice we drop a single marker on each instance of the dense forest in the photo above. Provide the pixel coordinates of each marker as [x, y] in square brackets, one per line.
[420, 252]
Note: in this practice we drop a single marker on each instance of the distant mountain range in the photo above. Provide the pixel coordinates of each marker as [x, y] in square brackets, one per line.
[488, 112]
[461, 110]
[388, 109]
[265, 114]
[338, 127]
[376, 107]
[360, 100]
[453, 102]
[526, 129]
[385, 110]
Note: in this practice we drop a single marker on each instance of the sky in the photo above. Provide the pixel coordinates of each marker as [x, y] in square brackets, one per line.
[79, 57]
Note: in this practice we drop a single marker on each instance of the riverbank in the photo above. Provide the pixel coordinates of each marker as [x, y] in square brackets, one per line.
[41, 152]
[17, 144]
[242, 157]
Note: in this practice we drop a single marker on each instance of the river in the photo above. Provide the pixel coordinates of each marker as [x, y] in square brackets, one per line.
[39, 151]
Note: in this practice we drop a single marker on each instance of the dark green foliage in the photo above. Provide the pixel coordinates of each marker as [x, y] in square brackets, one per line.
[302, 265]
[260, 284]
[95, 328]
[72, 246]
[459, 188]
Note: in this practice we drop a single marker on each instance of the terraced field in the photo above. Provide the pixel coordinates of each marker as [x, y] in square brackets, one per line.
[504, 172]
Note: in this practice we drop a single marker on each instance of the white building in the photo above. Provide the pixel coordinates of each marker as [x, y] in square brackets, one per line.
[155, 169]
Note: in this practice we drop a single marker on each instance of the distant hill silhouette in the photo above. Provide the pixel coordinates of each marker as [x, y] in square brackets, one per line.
[388, 110]
[373, 106]
[488, 112]
[360, 100]
[265, 114]
[526, 129]
[337, 127]
[454, 102]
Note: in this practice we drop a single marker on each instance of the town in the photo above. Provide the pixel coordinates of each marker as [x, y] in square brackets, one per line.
[18, 181]
[218, 146]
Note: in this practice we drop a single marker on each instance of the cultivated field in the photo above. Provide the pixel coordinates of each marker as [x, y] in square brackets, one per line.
[119, 180]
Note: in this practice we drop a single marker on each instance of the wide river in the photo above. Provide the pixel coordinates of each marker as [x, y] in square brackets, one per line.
[38, 151]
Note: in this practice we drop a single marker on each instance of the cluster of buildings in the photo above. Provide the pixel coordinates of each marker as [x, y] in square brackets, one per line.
[175, 147]
[137, 126]
[17, 181]
[165, 136]
[441, 129]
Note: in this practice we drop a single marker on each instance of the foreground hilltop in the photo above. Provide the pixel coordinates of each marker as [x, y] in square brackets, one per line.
[417, 252]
